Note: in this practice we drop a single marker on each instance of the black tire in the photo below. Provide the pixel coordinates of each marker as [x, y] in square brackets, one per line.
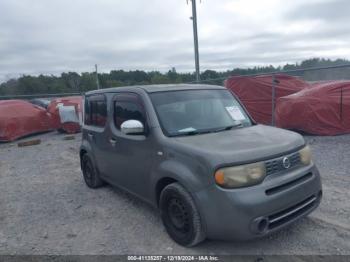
[90, 174]
[180, 215]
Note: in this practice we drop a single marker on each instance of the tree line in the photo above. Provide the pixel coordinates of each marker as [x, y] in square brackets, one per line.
[72, 82]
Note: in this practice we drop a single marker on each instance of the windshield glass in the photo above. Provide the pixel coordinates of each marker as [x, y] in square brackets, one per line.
[191, 112]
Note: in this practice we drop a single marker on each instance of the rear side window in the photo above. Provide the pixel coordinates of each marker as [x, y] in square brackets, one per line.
[95, 111]
[128, 107]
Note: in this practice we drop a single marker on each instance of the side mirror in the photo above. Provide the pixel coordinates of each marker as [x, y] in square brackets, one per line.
[132, 127]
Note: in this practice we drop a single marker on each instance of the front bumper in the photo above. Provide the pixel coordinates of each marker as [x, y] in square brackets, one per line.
[246, 213]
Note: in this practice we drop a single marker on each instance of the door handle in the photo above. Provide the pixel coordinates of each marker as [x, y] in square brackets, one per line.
[91, 136]
[112, 141]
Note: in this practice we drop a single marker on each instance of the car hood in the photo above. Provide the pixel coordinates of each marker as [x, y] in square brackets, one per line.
[243, 145]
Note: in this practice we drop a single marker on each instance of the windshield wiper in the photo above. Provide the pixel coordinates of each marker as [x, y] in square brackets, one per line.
[228, 127]
[198, 132]
[190, 133]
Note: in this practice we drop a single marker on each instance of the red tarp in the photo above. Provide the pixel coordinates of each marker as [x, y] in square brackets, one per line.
[322, 109]
[20, 118]
[70, 127]
[256, 92]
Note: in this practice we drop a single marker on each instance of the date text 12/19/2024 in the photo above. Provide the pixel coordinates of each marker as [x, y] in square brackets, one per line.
[173, 258]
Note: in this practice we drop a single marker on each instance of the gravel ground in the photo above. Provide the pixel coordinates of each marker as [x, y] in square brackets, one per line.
[45, 208]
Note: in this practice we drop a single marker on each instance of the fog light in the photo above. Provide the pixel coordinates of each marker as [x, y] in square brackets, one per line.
[260, 225]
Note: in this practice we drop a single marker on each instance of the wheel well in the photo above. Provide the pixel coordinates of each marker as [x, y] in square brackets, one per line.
[161, 184]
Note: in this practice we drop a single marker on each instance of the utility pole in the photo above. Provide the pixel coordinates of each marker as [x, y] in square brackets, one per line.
[195, 37]
[97, 82]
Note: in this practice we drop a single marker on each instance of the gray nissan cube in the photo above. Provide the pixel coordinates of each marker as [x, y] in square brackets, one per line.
[194, 152]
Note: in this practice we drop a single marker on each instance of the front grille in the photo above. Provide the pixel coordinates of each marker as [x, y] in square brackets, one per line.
[289, 184]
[276, 165]
[288, 214]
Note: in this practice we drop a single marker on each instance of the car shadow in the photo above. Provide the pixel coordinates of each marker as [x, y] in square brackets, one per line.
[218, 246]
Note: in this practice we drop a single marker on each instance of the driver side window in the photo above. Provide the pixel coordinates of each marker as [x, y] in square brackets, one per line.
[128, 107]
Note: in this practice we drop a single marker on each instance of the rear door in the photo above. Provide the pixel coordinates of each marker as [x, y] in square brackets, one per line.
[130, 157]
[95, 119]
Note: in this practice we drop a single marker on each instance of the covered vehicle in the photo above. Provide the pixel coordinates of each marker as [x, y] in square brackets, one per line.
[19, 118]
[66, 113]
[321, 109]
[43, 102]
[256, 92]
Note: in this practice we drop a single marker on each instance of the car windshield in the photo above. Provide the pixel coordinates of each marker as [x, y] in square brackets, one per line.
[191, 112]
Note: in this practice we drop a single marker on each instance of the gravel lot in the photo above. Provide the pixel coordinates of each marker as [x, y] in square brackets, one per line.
[45, 208]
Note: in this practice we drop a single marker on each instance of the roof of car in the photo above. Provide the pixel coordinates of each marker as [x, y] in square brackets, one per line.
[156, 88]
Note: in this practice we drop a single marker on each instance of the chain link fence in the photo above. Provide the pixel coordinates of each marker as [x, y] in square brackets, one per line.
[311, 76]
[33, 96]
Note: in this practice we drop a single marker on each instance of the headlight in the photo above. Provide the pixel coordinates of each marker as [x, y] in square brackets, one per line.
[305, 155]
[240, 176]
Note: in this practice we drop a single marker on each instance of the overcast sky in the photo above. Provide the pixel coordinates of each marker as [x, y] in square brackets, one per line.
[51, 36]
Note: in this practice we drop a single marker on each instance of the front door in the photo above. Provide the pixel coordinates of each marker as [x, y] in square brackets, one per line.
[130, 157]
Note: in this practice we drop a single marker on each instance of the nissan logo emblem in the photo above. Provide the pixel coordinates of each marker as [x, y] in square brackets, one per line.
[286, 162]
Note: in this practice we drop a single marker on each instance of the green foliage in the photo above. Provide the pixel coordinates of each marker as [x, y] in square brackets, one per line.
[73, 82]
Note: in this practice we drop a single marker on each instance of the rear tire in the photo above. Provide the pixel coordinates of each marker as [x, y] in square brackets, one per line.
[91, 177]
[180, 215]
